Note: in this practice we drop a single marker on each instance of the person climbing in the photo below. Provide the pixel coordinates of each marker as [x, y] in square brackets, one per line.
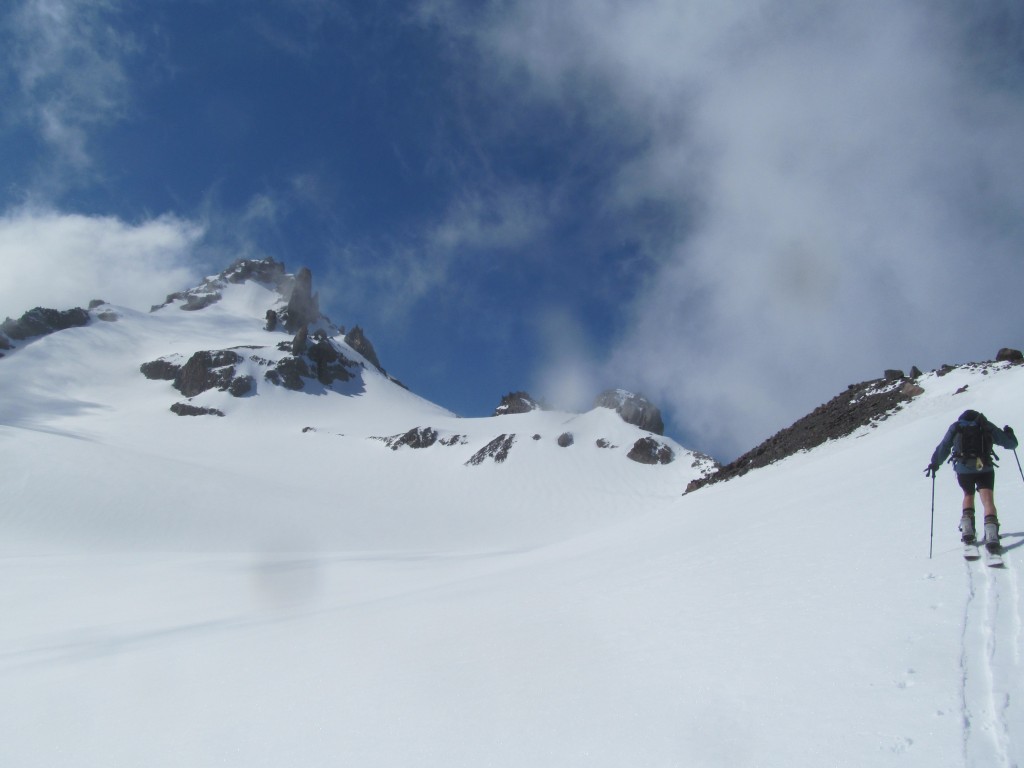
[970, 439]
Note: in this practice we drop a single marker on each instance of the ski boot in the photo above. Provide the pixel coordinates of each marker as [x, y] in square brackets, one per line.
[992, 534]
[967, 527]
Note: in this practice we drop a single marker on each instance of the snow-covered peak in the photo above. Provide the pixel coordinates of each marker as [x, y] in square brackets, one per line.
[265, 272]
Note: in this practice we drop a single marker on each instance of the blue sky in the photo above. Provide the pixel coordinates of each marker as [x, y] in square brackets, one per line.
[736, 208]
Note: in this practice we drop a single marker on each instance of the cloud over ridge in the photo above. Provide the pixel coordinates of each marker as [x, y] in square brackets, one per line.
[61, 260]
[843, 172]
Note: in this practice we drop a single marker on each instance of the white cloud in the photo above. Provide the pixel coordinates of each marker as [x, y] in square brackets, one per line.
[849, 181]
[62, 260]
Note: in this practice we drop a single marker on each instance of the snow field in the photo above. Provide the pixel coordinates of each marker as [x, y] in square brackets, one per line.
[237, 592]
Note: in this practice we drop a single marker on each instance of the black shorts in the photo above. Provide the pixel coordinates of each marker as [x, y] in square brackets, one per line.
[980, 480]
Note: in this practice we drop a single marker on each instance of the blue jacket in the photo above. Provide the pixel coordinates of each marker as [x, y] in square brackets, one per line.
[999, 437]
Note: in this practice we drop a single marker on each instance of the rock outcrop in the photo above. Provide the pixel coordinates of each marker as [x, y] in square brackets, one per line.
[42, 322]
[329, 364]
[516, 402]
[497, 449]
[861, 405]
[303, 305]
[1007, 355]
[356, 339]
[187, 409]
[207, 370]
[647, 450]
[417, 437]
[634, 409]
[265, 271]
[203, 371]
[320, 360]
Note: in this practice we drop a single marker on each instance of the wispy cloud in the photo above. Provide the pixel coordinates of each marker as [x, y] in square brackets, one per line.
[832, 176]
[67, 63]
[480, 229]
[298, 27]
[59, 260]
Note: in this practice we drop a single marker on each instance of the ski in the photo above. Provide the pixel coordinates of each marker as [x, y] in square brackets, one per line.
[971, 551]
[993, 559]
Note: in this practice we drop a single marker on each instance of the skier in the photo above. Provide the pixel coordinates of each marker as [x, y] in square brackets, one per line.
[970, 438]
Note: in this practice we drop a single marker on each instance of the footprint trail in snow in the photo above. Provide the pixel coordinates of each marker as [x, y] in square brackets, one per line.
[993, 681]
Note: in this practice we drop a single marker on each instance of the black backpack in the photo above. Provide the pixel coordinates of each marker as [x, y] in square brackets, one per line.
[973, 443]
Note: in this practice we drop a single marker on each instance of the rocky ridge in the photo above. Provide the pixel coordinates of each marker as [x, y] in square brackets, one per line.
[310, 361]
[41, 321]
[264, 271]
[865, 404]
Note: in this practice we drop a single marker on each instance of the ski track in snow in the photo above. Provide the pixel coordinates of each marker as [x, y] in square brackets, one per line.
[992, 678]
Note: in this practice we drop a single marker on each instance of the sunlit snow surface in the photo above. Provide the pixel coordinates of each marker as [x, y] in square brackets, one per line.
[236, 591]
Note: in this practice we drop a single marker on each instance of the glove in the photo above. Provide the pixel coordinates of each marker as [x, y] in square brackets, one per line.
[1009, 430]
[931, 471]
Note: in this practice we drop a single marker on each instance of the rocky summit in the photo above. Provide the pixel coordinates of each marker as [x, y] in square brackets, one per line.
[633, 408]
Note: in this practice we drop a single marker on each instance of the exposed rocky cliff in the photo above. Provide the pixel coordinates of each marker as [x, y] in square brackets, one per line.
[861, 405]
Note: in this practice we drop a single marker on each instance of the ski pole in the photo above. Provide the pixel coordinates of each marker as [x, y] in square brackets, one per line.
[931, 532]
[1018, 464]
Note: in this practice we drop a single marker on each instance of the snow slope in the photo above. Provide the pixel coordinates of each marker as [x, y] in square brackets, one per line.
[283, 469]
[239, 592]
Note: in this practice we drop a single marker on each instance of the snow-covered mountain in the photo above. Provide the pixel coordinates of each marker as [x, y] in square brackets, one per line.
[337, 572]
[241, 383]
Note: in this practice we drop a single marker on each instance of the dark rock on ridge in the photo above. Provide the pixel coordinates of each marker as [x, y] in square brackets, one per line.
[421, 437]
[185, 409]
[266, 271]
[217, 369]
[497, 449]
[356, 339]
[1007, 355]
[566, 439]
[160, 370]
[303, 305]
[860, 405]
[289, 373]
[204, 370]
[42, 322]
[241, 386]
[417, 437]
[207, 370]
[321, 361]
[647, 450]
[299, 342]
[516, 402]
[329, 364]
[634, 409]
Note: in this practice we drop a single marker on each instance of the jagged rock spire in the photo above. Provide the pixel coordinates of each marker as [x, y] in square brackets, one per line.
[303, 305]
[356, 339]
